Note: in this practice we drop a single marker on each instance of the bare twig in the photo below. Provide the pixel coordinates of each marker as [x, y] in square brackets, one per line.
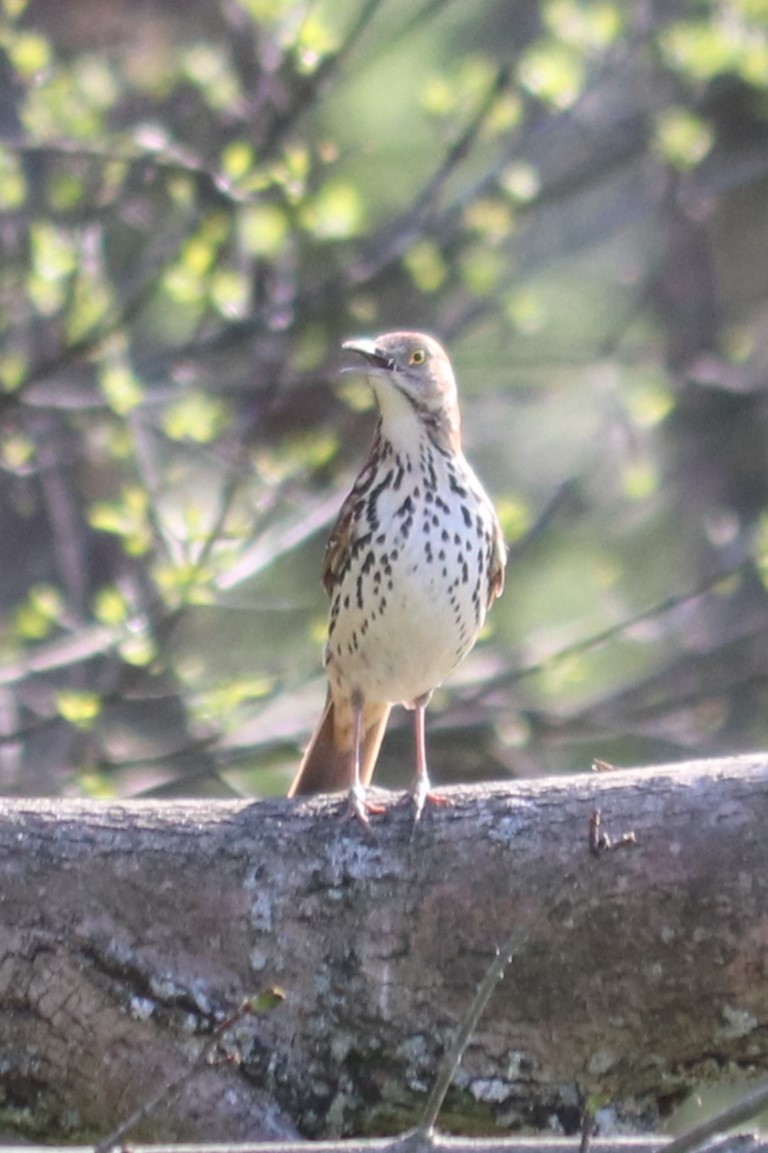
[744, 1110]
[421, 1136]
[396, 236]
[313, 89]
[657, 609]
[601, 842]
[171, 1088]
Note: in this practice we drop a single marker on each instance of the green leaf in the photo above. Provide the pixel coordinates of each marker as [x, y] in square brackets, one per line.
[54, 253]
[14, 8]
[521, 181]
[16, 451]
[127, 517]
[268, 11]
[515, 517]
[439, 96]
[195, 416]
[461, 89]
[29, 52]
[122, 391]
[66, 103]
[314, 42]
[183, 582]
[707, 48]
[237, 159]
[81, 709]
[682, 138]
[65, 189]
[586, 25]
[335, 213]
[13, 185]
[219, 704]
[526, 310]
[481, 269]
[110, 606]
[491, 218]
[182, 285]
[552, 72]
[265, 1001]
[98, 785]
[649, 399]
[40, 613]
[209, 68]
[425, 262]
[95, 81]
[263, 229]
[291, 172]
[639, 478]
[89, 305]
[230, 292]
[139, 649]
[13, 369]
[505, 116]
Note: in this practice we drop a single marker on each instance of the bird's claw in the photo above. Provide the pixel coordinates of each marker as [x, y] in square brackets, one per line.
[359, 807]
[420, 794]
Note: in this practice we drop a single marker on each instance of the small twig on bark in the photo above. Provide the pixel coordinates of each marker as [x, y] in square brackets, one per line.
[422, 1136]
[249, 1007]
[587, 1129]
[600, 842]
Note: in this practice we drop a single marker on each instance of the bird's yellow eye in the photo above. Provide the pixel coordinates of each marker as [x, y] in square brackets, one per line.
[417, 357]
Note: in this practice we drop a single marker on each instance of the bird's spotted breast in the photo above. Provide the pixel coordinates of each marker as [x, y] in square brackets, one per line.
[410, 600]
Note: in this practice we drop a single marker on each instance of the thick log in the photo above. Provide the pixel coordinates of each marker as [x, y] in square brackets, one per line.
[128, 930]
[744, 1142]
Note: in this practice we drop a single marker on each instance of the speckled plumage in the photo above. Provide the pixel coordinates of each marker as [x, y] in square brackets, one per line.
[413, 564]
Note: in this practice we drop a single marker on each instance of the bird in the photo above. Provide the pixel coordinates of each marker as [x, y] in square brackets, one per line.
[414, 562]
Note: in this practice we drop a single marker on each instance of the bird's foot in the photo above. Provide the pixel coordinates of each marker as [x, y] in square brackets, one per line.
[359, 807]
[420, 794]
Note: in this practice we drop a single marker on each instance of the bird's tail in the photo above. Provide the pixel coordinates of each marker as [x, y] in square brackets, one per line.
[327, 764]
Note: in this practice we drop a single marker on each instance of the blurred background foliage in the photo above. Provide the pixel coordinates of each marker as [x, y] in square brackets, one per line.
[199, 201]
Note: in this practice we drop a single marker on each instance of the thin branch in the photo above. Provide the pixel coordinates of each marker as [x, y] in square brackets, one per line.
[273, 543]
[700, 1135]
[233, 483]
[657, 609]
[115, 318]
[396, 236]
[423, 1133]
[172, 161]
[174, 1086]
[310, 93]
[88, 642]
[544, 518]
[410, 27]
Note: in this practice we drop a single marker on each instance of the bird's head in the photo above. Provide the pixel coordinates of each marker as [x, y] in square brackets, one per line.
[416, 367]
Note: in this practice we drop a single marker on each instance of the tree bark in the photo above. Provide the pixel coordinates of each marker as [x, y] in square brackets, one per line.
[130, 929]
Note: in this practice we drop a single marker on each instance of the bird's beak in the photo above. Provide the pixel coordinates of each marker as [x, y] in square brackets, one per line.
[377, 359]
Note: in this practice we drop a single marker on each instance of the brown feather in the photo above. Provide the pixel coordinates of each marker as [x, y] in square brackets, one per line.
[348, 522]
[326, 766]
[498, 563]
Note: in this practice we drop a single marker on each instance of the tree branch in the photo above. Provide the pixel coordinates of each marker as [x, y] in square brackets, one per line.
[132, 930]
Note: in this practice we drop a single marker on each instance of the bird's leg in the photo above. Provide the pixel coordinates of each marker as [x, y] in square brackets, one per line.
[421, 790]
[358, 805]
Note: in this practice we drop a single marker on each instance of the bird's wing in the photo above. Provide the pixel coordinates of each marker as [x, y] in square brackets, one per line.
[339, 543]
[498, 564]
[350, 524]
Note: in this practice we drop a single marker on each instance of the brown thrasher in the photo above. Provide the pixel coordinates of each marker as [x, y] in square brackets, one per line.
[414, 562]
